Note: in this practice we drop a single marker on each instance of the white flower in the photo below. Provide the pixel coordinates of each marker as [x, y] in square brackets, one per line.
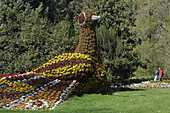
[36, 104]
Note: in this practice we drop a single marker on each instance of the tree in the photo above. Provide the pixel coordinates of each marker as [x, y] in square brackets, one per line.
[150, 24]
[10, 21]
[164, 42]
[57, 9]
[28, 39]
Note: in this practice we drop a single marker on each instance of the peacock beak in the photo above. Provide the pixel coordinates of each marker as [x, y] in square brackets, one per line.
[94, 17]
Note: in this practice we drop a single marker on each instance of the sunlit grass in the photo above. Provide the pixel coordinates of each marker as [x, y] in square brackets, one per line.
[139, 101]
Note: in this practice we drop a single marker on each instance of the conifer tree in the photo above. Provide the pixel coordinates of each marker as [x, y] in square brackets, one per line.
[150, 24]
[28, 39]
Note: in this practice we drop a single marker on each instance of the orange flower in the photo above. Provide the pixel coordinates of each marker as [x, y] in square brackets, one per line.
[56, 98]
[53, 97]
[59, 92]
[45, 89]
[31, 97]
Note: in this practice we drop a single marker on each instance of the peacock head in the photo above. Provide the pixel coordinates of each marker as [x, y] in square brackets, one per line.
[87, 17]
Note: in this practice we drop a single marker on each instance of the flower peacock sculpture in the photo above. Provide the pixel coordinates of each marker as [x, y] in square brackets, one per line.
[47, 86]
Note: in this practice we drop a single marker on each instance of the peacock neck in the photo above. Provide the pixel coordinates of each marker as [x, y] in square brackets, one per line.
[87, 41]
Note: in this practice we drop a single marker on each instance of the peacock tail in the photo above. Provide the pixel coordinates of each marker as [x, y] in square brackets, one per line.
[47, 86]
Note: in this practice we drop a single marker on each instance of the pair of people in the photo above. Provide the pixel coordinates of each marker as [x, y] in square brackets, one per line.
[158, 74]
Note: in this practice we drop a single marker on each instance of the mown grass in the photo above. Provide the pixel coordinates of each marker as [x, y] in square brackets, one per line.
[138, 101]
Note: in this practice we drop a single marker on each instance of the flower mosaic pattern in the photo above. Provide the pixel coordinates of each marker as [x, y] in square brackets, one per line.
[36, 104]
[47, 86]
[49, 83]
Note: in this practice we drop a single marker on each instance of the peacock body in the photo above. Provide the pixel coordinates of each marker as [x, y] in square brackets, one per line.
[47, 86]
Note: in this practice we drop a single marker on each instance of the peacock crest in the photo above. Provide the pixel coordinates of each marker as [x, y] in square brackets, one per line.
[47, 86]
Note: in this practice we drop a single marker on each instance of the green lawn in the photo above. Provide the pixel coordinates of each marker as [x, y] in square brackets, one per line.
[139, 101]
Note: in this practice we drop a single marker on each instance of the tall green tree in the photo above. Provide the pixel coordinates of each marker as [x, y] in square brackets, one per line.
[57, 9]
[10, 21]
[28, 39]
[150, 24]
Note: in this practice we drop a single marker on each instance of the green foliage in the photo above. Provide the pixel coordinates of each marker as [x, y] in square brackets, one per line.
[151, 24]
[27, 40]
[11, 17]
[57, 9]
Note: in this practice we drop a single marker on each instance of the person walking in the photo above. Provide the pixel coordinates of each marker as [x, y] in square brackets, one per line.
[156, 74]
[161, 74]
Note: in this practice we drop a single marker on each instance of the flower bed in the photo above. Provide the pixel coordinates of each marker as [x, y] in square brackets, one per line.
[152, 84]
[49, 85]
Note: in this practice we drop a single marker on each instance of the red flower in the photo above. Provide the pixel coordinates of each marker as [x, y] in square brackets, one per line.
[38, 103]
[63, 87]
